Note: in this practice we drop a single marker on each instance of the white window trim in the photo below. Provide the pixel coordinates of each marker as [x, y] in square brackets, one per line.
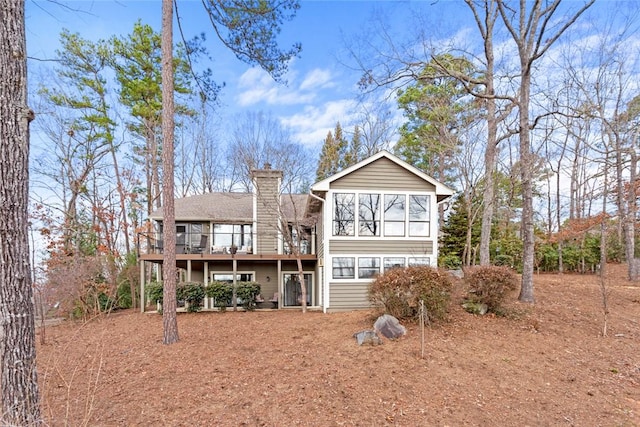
[314, 297]
[381, 256]
[330, 210]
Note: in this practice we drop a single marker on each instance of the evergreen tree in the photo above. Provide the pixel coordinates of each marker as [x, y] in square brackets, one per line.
[437, 110]
[328, 163]
[338, 152]
[460, 234]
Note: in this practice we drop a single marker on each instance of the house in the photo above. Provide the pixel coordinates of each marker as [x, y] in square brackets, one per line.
[378, 214]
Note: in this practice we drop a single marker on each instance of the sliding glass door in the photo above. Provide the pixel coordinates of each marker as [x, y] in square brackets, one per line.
[293, 291]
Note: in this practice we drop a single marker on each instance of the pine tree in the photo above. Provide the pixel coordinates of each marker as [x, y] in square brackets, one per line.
[328, 163]
[18, 374]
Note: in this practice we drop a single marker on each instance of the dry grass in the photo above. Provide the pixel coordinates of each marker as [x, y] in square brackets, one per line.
[546, 364]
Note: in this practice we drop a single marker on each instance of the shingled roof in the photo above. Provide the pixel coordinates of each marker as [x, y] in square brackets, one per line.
[229, 207]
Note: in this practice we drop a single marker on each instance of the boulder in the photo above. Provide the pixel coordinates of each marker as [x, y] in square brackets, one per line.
[475, 307]
[367, 337]
[389, 326]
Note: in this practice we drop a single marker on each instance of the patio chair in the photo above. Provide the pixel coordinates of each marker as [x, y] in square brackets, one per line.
[275, 299]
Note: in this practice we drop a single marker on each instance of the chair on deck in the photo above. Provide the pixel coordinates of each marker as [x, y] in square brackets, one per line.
[201, 248]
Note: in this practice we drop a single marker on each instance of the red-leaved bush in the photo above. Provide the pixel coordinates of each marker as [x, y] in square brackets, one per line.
[399, 291]
[489, 285]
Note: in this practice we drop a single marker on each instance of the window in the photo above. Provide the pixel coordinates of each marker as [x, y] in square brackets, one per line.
[299, 240]
[368, 267]
[394, 207]
[419, 261]
[343, 268]
[419, 215]
[369, 214]
[397, 215]
[181, 234]
[228, 277]
[344, 214]
[396, 262]
[227, 235]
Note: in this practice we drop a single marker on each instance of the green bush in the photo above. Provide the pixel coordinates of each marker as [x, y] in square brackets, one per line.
[124, 295]
[400, 290]
[451, 262]
[193, 293]
[503, 260]
[221, 292]
[247, 293]
[489, 285]
[154, 292]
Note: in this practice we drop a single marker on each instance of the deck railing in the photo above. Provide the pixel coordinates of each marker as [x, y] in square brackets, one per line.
[196, 243]
[224, 243]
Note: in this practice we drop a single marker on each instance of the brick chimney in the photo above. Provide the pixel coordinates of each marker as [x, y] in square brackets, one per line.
[266, 209]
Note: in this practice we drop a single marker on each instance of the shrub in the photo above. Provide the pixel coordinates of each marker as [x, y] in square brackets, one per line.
[154, 292]
[193, 293]
[450, 261]
[503, 260]
[221, 292]
[400, 290]
[489, 285]
[247, 293]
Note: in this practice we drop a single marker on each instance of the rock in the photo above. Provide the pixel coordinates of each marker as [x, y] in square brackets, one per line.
[475, 308]
[389, 326]
[367, 337]
[457, 273]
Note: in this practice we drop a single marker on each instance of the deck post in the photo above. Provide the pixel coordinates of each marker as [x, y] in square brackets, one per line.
[142, 279]
[206, 284]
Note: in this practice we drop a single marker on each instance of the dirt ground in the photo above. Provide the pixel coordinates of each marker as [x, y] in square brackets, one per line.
[548, 364]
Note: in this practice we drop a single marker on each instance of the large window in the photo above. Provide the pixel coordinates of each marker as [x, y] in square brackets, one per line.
[343, 268]
[344, 208]
[380, 214]
[369, 214]
[227, 235]
[418, 215]
[394, 217]
[299, 240]
[368, 267]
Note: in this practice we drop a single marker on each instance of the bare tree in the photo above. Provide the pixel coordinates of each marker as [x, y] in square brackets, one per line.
[377, 128]
[531, 28]
[18, 379]
[258, 139]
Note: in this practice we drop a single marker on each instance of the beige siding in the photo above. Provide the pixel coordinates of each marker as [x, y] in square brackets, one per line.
[267, 207]
[412, 247]
[267, 289]
[197, 276]
[320, 237]
[344, 296]
[382, 174]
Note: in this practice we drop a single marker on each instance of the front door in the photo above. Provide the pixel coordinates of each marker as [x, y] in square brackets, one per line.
[293, 291]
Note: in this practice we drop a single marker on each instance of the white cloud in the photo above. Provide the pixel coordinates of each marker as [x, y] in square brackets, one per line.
[311, 126]
[256, 86]
[317, 79]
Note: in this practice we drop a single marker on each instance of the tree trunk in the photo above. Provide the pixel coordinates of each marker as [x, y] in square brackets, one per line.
[169, 303]
[303, 285]
[491, 150]
[19, 383]
[630, 219]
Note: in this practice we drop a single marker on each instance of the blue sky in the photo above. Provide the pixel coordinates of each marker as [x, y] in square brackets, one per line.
[320, 91]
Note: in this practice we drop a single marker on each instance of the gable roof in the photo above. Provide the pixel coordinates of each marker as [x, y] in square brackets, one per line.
[442, 191]
[228, 207]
